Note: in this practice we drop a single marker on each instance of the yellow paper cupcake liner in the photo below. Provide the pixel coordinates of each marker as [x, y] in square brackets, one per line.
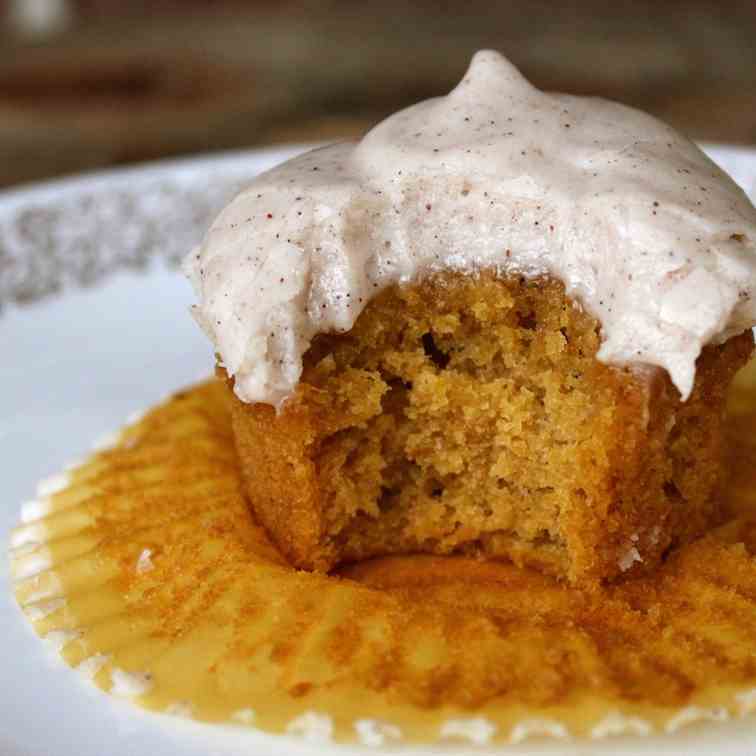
[144, 566]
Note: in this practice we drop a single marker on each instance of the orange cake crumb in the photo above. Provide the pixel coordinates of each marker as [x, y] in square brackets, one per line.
[469, 414]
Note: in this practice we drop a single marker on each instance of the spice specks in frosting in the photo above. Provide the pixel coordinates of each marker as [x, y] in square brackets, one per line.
[644, 231]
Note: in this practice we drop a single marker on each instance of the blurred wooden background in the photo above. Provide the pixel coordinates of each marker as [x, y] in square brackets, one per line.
[91, 83]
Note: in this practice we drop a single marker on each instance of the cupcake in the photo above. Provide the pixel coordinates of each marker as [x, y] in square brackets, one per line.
[502, 324]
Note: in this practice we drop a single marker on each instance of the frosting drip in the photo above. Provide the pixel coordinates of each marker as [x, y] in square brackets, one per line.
[645, 232]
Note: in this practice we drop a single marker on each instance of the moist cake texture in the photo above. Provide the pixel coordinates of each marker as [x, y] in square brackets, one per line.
[470, 414]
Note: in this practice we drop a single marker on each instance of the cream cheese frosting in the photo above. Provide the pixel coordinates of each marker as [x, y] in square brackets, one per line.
[645, 232]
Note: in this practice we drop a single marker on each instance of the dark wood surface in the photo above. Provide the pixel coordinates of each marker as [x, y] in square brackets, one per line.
[123, 82]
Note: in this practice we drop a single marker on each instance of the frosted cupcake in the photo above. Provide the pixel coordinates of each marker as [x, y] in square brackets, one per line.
[502, 324]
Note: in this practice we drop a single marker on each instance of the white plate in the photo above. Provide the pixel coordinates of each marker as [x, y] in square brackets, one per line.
[75, 365]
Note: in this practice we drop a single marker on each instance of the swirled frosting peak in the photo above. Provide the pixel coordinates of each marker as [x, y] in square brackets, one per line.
[643, 229]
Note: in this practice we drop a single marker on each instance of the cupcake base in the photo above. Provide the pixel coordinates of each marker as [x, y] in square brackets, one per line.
[468, 414]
